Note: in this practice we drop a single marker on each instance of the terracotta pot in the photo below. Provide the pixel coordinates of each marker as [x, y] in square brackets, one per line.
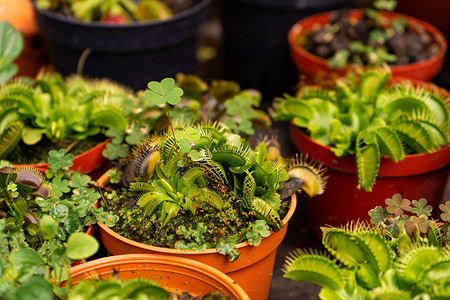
[176, 274]
[252, 271]
[19, 13]
[86, 162]
[312, 65]
[416, 176]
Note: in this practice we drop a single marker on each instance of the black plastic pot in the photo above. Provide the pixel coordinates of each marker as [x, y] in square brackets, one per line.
[256, 50]
[132, 54]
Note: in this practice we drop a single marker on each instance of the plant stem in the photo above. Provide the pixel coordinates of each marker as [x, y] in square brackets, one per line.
[71, 146]
[171, 127]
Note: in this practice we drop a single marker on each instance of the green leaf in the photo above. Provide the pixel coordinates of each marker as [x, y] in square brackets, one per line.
[135, 136]
[59, 159]
[377, 214]
[11, 45]
[421, 207]
[48, 227]
[228, 248]
[79, 180]
[113, 151]
[37, 288]
[389, 143]
[27, 257]
[7, 72]
[367, 161]
[164, 92]
[31, 136]
[304, 266]
[257, 231]
[60, 274]
[59, 186]
[80, 246]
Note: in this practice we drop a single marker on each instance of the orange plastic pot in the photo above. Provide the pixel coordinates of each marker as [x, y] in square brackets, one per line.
[176, 274]
[86, 162]
[416, 176]
[312, 65]
[252, 271]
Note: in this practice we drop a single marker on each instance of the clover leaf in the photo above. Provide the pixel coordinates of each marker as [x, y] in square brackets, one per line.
[59, 159]
[378, 215]
[164, 92]
[135, 136]
[396, 205]
[421, 207]
[445, 215]
[113, 151]
[59, 186]
[79, 180]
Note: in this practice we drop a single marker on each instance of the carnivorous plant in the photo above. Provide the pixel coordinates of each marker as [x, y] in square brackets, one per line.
[365, 116]
[199, 185]
[397, 255]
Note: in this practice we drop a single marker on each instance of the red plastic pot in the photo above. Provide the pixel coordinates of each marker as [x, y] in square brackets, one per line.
[314, 66]
[252, 271]
[417, 176]
[176, 274]
[86, 162]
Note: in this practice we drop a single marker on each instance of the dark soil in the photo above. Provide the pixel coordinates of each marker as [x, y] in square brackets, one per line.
[409, 44]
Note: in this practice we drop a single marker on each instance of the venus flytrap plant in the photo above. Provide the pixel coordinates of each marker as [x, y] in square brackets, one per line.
[198, 185]
[364, 116]
[51, 112]
[396, 256]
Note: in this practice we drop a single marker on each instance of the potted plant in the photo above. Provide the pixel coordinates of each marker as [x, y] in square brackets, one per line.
[330, 43]
[127, 43]
[51, 112]
[198, 190]
[28, 196]
[375, 136]
[176, 275]
[397, 255]
[27, 272]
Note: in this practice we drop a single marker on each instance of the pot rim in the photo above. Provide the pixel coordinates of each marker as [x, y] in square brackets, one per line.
[144, 259]
[298, 30]
[109, 231]
[95, 24]
[43, 166]
[388, 168]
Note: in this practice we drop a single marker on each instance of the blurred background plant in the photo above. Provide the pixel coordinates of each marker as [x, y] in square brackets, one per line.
[116, 11]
